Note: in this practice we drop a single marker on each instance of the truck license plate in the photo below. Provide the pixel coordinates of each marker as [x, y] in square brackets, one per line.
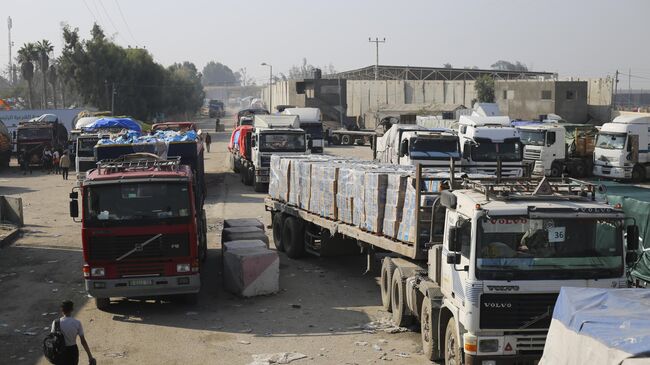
[140, 282]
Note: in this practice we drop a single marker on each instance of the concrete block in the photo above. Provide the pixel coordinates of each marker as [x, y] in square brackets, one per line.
[230, 245]
[249, 272]
[11, 210]
[243, 233]
[243, 222]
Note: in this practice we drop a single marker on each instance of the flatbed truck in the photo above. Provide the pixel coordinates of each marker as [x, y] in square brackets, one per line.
[487, 263]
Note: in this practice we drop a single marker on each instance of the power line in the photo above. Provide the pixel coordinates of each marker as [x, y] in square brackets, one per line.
[128, 28]
[110, 20]
[90, 11]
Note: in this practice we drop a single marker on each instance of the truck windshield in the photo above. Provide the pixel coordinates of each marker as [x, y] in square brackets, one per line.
[314, 130]
[28, 134]
[85, 146]
[136, 203]
[535, 138]
[489, 151]
[611, 141]
[433, 148]
[540, 248]
[285, 142]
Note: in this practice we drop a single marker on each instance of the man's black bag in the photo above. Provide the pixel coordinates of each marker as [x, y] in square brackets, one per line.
[54, 343]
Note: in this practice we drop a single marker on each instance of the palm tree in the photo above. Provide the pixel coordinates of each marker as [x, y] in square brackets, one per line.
[44, 48]
[26, 56]
[52, 78]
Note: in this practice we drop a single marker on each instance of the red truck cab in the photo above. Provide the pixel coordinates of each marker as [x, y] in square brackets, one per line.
[140, 231]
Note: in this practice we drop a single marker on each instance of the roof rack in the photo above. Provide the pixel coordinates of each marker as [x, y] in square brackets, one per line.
[534, 189]
[139, 163]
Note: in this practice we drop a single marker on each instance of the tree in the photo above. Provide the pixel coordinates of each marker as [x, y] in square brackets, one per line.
[215, 73]
[44, 48]
[26, 57]
[484, 87]
[447, 65]
[509, 66]
[52, 78]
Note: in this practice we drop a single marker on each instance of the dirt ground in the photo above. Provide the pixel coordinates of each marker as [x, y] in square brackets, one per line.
[321, 310]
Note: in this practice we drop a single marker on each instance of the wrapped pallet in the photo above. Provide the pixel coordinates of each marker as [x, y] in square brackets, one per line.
[274, 177]
[357, 180]
[408, 227]
[295, 187]
[323, 189]
[395, 192]
[375, 184]
[344, 194]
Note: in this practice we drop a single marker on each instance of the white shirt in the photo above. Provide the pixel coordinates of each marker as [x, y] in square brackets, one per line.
[71, 328]
[56, 154]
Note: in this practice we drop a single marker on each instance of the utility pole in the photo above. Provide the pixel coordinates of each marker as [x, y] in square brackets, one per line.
[113, 93]
[376, 41]
[629, 88]
[615, 89]
[11, 68]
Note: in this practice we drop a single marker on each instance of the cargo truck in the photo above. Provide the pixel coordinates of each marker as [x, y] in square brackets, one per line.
[622, 149]
[143, 228]
[5, 145]
[34, 135]
[408, 144]
[557, 148]
[272, 135]
[487, 263]
[311, 121]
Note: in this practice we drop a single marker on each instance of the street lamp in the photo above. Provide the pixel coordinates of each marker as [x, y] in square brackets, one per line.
[270, 83]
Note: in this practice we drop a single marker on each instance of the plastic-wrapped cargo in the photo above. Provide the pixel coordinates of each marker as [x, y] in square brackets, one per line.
[300, 179]
[274, 177]
[394, 205]
[408, 231]
[279, 177]
[323, 189]
[375, 185]
[358, 181]
[344, 194]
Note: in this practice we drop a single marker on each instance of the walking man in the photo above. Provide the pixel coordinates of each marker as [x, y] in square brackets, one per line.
[55, 160]
[208, 140]
[71, 328]
[64, 164]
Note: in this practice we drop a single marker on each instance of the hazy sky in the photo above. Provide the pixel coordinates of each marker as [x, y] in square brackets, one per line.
[580, 38]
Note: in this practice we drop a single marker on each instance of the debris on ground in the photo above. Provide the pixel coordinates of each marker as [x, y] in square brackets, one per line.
[277, 358]
[116, 354]
[385, 325]
[403, 354]
[244, 342]
[361, 343]
[376, 347]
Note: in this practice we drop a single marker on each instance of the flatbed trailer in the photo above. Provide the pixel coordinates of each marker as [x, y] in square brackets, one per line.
[346, 137]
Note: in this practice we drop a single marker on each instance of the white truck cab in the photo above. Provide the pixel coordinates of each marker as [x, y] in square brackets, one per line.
[311, 121]
[409, 144]
[544, 142]
[621, 150]
[274, 134]
[484, 141]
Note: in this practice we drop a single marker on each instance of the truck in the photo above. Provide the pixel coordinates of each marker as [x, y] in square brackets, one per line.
[311, 121]
[490, 143]
[143, 229]
[272, 135]
[6, 145]
[239, 149]
[622, 149]
[409, 144]
[34, 135]
[487, 263]
[557, 148]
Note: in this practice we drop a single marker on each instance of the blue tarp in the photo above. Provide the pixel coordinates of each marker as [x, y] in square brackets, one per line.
[105, 123]
[617, 318]
[133, 137]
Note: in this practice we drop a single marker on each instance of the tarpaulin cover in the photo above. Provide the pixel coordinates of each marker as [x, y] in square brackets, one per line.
[105, 123]
[133, 137]
[635, 202]
[598, 326]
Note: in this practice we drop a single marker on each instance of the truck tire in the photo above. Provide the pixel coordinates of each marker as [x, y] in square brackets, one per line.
[292, 237]
[580, 169]
[556, 169]
[102, 303]
[452, 344]
[345, 139]
[387, 268]
[336, 139]
[260, 187]
[429, 330]
[638, 174]
[401, 317]
[278, 219]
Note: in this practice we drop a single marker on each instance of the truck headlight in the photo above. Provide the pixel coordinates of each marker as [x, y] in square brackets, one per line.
[183, 268]
[97, 271]
[491, 345]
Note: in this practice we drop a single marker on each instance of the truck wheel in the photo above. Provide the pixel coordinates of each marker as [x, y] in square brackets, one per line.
[398, 300]
[102, 303]
[580, 169]
[429, 331]
[336, 140]
[638, 174]
[345, 139]
[277, 231]
[292, 237]
[452, 344]
[387, 268]
[556, 169]
[249, 177]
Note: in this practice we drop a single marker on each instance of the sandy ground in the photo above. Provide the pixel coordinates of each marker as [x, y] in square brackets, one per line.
[320, 312]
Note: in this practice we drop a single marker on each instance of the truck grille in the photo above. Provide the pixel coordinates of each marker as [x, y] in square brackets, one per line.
[533, 344]
[137, 269]
[532, 155]
[265, 161]
[112, 247]
[515, 311]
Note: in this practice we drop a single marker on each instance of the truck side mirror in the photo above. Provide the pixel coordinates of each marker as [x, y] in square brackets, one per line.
[550, 138]
[453, 258]
[454, 240]
[404, 148]
[632, 237]
[74, 195]
[74, 208]
[252, 141]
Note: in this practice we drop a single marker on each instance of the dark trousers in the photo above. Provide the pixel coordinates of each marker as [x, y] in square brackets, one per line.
[70, 356]
[64, 172]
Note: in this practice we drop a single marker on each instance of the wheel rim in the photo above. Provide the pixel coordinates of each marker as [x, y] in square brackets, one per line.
[451, 350]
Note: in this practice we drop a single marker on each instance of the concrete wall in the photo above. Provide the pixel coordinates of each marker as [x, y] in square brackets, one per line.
[599, 100]
[364, 95]
[573, 110]
[284, 93]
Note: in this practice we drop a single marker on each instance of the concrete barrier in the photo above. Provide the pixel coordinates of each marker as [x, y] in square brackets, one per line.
[243, 222]
[251, 271]
[243, 233]
[11, 210]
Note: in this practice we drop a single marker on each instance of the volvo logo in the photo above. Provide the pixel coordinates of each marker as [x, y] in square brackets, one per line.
[138, 247]
[503, 287]
[497, 305]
